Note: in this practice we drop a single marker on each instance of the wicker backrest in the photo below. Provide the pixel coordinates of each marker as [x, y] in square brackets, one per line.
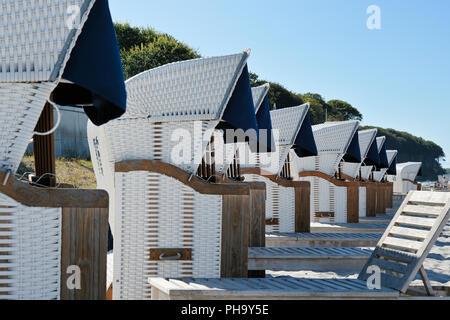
[332, 140]
[366, 171]
[190, 90]
[407, 241]
[259, 93]
[35, 44]
[35, 38]
[366, 138]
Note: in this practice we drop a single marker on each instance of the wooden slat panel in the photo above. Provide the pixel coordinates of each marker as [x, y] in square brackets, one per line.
[353, 202]
[409, 233]
[44, 148]
[402, 244]
[235, 235]
[302, 208]
[84, 244]
[436, 198]
[423, 210]
[371, 198]
[52, 198]
[257, 234]
[416, 222]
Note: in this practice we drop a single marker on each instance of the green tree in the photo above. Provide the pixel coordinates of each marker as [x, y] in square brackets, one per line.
[162, 51]
[341, 111]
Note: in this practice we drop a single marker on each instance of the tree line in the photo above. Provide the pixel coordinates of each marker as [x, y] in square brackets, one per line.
[144, 48]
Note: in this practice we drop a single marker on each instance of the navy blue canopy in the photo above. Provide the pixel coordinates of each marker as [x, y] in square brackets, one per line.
[264, 121]
[240, 112]
[95, 69]
[305, 144]
[420, 172]
[353, 153]
[393, 168]
[384, 162]
[373, 157]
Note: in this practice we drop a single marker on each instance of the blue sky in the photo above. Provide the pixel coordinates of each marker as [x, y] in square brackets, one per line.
[398, 77]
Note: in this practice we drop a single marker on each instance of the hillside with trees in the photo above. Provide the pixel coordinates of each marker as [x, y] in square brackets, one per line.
[144, 48]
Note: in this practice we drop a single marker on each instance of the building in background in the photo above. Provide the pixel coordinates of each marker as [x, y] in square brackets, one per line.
[71, 135]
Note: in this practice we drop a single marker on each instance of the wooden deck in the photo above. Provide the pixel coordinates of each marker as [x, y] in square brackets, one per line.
[322, 239]
[314, 259]
[318, 227]
[283, 288]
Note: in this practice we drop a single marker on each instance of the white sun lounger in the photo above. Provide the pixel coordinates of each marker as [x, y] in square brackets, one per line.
[398, 257]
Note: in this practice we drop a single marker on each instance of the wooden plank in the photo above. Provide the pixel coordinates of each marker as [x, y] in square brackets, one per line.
[423, 210]
[409, 233]
[167, 254]
[84, 244]
[416, 222]
[389, 265]
[44, 149]
[52, 198]
[302, 208]
[402, 244]
[196, 183]
[436, 198]
[257, 234]
[426, 281]
[352, 202]
[235, 236]
[262, 289]
[380, 203]
[371, 197]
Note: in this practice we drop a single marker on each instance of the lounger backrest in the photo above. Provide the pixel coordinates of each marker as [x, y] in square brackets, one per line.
[409, 238]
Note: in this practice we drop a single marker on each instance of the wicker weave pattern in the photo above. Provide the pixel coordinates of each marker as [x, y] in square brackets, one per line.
[326, 162]
[259, 93]
[20, 108]
[366, 138]
[334, 136]
[379, 175]
[128, 139]
[326, 197]
[189, 90]
[366, 171]
[280, 204]
[362, 202]
[351, 169]
[156, 211]
[34, 38]
[288, 122]
[30, 243]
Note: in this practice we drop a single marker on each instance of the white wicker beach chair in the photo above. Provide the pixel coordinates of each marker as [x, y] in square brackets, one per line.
[173, 112]
[354, 170]
[379, 174]
[396, 261]
[405, 180]
[38, 50]
[283, 213]
[329, 196]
